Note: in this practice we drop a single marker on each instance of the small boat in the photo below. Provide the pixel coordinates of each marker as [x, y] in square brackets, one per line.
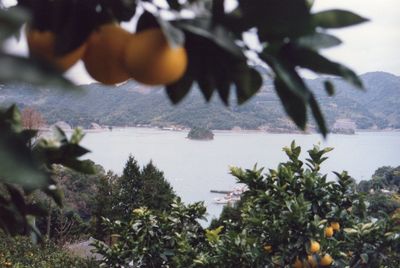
[221, 200]
[231, 196]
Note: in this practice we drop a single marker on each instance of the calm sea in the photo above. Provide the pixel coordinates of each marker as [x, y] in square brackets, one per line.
[196, 167]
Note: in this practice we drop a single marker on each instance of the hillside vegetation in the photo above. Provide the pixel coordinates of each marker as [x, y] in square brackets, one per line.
[132, 104]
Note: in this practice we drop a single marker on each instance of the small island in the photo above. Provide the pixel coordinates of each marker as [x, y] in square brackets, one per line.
[199, 133]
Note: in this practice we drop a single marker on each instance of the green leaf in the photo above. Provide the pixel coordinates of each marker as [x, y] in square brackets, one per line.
[337, 18]
[310, 59]
[277, 19]
[207, 86]
[123, 10]
[178, 90]
[248, 81]
[36, 210]
[60, 135]
[223, 87]
[146, 21]
[55, 193]
[329, 87]
[216, 33]
[77, 136]
[319, 118]
[364, 258]
[318, 41]
[19, 69]
[16, 198]
[71, 21]
[11, 118]
[28, 134]
[218, 10]
[11, 21]
[174, 4]
[18, 168]
[350, 230]
[288, 75]
[73, 150]
[174, 35]
[294, 106]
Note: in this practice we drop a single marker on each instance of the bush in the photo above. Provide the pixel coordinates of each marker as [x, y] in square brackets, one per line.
[287, 209]
[116, 196]
[156, 238]
[19, 252]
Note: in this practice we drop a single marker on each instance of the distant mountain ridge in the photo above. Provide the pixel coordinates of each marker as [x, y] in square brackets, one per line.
[133, 104]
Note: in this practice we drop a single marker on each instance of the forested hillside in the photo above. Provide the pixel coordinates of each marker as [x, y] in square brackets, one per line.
[132, 104]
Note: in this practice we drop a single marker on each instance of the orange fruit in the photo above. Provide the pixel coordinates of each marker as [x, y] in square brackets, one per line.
[311, 260]
[268, 248]
[314, 247]
[41, 44]
[335, 225]
[328, 231]
[103, 58]
[298, 263]
[326, 260]
[151, 60]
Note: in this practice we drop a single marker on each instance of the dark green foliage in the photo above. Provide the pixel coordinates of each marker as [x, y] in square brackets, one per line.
[384, 178]
[230, 213]
[140, 187]
[21, 252]
[25, 169]
[157, 193]
[65, 226]
[102, 204]
[127, 189]
[156, 238]
[115, 197]
[381, 205]
[382, 192]
[78, 188]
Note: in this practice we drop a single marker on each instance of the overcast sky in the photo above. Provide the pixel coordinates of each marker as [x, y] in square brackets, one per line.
[372, 46]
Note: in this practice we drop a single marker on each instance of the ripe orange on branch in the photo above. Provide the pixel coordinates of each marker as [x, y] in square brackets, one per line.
[104, 54]
[149, 58]
[335, 225]
[326, 260]
[268, 248]
[311, 261]
[314, 247]
[298, 263]
[41, 44]
[328, 231]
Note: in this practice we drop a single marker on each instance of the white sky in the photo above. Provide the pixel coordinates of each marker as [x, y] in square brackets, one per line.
[372, 46]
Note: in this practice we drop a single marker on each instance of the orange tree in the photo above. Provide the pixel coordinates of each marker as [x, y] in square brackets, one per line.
[201, 40]
[293, 216]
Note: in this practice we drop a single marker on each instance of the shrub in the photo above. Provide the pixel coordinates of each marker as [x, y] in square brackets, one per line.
[156, 238]
[19, 252]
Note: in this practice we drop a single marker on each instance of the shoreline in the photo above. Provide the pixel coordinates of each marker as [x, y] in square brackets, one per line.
[236, 131]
